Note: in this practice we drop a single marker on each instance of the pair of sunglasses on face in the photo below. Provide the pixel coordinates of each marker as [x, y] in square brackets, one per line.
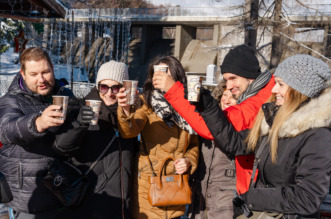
[103, 88]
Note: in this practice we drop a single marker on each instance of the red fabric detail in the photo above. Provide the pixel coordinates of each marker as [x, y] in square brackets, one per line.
[242, 117]
[0, 144]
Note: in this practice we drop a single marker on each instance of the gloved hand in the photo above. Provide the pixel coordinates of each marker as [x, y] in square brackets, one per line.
[185, 91]
[240, 207]
[205, 98]
[85, 115]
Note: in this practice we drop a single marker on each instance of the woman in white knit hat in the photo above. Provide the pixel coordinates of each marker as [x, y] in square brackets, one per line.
[291, 139]
[109, 194]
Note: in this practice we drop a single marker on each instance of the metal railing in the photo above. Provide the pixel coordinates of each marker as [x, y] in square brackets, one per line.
[290, 9]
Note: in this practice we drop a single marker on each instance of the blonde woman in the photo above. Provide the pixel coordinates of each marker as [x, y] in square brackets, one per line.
[293, 133]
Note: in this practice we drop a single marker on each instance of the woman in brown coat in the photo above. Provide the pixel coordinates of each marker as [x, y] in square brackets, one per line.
[163, 134]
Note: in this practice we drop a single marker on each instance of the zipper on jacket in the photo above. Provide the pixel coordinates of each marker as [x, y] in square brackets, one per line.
[20, 175]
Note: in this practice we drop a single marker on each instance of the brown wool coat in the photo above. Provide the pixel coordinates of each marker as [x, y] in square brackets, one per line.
[161, 141]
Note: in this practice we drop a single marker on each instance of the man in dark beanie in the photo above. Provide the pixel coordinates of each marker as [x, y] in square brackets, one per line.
[240, 68]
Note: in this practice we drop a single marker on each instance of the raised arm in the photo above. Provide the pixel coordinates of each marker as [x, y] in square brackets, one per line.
[175, 96]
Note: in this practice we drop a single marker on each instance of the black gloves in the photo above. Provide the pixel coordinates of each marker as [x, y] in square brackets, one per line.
[205, 100]
[85, 115]
[240, 207]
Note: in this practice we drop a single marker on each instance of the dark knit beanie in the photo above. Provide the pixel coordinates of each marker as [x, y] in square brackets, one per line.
[241, 61]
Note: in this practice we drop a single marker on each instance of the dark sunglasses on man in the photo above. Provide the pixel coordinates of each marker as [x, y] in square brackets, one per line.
[103, 88]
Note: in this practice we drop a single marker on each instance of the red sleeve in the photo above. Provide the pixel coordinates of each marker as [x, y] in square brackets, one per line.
[175, 96]
[242, 116]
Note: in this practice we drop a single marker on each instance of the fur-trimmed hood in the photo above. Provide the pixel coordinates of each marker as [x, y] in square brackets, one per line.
[315, 114]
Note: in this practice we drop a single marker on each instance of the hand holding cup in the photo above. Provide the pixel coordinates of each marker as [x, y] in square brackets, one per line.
[50, 117]
[162, 81]
[122, 100]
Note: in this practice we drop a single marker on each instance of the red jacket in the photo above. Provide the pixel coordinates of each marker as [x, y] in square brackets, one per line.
[0, 144]
[241, 116]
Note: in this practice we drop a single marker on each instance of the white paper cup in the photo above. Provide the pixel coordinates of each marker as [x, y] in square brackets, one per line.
[193, 87]
[163, 68]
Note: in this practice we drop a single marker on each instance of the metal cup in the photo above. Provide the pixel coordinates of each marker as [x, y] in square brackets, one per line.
[130, 90]
[95, 105]
[63, 102]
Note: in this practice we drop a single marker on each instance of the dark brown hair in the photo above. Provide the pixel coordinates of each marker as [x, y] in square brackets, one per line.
[177, 73]
[35, 54]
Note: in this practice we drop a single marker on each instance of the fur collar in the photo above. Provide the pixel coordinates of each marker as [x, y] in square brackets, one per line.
[315, 114]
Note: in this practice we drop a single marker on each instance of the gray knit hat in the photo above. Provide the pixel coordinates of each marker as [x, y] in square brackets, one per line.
[304, 73]
[117, 71]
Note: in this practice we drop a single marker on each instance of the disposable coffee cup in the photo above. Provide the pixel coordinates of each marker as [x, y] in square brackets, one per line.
[130, 90]
[95, 105]
[193, 87]
[163, 68]
[63, 102]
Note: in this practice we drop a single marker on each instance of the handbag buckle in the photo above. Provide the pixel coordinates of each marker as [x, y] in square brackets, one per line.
[58, 180]
[169, 179]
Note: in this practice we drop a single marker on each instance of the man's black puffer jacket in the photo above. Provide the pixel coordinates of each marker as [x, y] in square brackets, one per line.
[26, 153]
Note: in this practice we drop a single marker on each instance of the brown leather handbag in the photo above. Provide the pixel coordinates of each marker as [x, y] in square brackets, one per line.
[169, 189]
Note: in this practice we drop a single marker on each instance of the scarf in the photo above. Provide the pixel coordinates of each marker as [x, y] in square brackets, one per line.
[167, 113]
[255, 86]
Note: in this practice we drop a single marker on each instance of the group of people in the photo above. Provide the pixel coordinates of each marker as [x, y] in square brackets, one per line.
[283, 119]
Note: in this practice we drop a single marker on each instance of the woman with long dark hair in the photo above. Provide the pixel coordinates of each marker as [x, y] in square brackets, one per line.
[164, 133]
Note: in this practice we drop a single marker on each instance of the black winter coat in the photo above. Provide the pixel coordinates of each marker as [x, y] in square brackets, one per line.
[26, 153]
[297, 183]
[109, 195]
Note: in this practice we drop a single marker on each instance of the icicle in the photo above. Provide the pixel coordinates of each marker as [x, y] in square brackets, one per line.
[51, 38]
[67, 45]
[118, 28]
[112, 40]
[123, 40]
[59, 42]
[128, 38]
[81, 50]
[90, 40]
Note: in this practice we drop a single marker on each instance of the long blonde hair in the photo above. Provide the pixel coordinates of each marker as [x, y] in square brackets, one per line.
[293, 100]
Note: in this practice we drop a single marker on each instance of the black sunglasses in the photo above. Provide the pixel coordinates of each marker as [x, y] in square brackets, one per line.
[103, 88]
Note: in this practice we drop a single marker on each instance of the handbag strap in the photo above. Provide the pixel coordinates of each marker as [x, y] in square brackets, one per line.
[103, 152]
[149, 160]
[256, 162]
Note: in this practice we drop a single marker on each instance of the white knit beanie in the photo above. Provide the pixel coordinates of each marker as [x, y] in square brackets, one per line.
[117, 71]
[304, 73]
